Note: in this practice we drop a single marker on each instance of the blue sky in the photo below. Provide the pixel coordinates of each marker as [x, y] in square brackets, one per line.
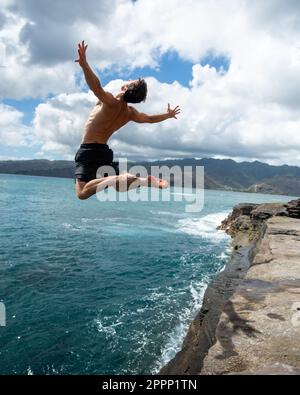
[236, 64]
[26, 106]
[170, 68]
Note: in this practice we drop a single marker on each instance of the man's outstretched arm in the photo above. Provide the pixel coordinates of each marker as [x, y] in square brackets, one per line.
[140, 117]
[91, 78]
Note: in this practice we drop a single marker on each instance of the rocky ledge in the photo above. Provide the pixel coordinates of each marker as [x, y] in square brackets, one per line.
[249, 322]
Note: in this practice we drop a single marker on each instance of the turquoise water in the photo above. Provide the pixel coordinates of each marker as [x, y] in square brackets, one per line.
[102, 288]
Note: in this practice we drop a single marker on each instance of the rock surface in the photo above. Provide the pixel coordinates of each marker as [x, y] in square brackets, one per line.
[249, 322]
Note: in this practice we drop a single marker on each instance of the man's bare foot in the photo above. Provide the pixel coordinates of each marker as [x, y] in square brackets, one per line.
[157, 182]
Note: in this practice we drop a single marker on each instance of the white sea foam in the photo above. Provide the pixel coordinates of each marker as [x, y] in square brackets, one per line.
[175, 338]
[168, 213]
[160, 212]
[71, 227]
[29, 371]
[225, 254]
[223, 268]
[109, 330]
[66, 225]
[204, 227]
[197, 290]
[182, 194]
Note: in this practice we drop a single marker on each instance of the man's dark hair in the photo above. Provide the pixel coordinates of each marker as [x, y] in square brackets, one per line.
[136, 92]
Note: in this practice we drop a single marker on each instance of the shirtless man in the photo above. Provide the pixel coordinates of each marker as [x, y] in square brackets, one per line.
[108, 116]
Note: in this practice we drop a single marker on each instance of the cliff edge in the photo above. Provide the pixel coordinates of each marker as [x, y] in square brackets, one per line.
[249, 322]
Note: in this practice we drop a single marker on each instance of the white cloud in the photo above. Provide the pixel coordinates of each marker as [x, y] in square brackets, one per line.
[251, 111]
[20, 79]
[59, 122]
[255, 131]
[51, 29]
[12, 131]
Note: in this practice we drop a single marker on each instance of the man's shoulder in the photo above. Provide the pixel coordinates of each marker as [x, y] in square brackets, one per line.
[110, 101]
[131, 111]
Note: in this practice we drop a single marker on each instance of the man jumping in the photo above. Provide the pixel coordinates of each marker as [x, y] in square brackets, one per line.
[108, 116]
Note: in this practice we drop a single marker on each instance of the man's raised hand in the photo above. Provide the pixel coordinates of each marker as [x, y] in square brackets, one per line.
[82, 54]
[173, 113]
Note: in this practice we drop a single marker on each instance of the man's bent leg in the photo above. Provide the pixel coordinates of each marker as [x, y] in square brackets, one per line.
[122, 183]
[85, 190]
[128, 181]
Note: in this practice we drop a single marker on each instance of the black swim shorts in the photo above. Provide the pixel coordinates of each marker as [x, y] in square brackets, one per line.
[90, 157]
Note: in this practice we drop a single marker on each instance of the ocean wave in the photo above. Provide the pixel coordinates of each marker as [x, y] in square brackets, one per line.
[109, 330]
[29, 371]
[204, 227]
[167, 213]
[176, 337]
[197, 289]
[225, 254]
[182, 194]
[72, 227]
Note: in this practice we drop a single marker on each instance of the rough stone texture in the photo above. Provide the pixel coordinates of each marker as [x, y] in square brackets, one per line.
[250, 319]
[258, 326]
[293, 209]
[201, 335]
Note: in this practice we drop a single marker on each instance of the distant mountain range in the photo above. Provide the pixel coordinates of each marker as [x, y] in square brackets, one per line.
[223, 174]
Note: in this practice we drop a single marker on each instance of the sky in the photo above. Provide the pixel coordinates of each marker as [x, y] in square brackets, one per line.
[233, 66]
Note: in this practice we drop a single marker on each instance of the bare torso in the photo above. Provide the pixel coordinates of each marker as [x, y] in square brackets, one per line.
[104, 120]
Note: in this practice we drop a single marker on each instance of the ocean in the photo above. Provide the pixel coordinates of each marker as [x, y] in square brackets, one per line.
[95, 287]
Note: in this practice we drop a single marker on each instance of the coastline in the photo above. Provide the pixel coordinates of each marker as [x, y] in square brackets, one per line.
[248, 320]
[220, 174]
